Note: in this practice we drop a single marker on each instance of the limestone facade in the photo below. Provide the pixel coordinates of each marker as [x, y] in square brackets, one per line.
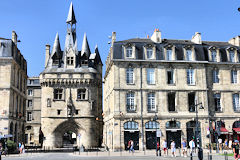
[153, 84]
[13, 78]
[33, 135]
[71, 92]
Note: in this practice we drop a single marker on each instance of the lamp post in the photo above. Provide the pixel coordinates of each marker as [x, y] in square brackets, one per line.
[155, 120]
[121, 115]
[199, 141]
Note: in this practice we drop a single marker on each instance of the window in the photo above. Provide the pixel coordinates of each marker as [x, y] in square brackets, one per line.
[231, 56]
[170, 77]
[29, 116]
[130, 102]
[81, 94]
[150, 76]
[190, 76]
[29, 127]
[58, 112]
[234, 76]
[236, 106]
[217, 102]
[84, 62]
[58, 94]
[191, 102]
[189, 55]
[149, 53]
[30, 92]
[171, 102]
[70, 60]
[151, 102]
[48, 102]
[214, 55]
[29, 103]
[152, 125]
[129, 75]
[215, 76]
[131, 125]
[76, 112]
[129, 53]
[169, 55]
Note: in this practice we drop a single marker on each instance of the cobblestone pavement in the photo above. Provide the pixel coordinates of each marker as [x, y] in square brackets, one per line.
[100, 156]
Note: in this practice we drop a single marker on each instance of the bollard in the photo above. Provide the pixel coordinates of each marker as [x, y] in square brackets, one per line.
[167, 151]
[226, 156]
[180, 151]
[108, 153]
[191, 157]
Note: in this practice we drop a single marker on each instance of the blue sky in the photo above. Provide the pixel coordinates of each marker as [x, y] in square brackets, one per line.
[37, 21]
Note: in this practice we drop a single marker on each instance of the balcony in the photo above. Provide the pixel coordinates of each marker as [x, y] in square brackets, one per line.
[131, 108]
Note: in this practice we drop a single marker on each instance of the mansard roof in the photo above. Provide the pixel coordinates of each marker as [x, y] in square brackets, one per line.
[201, 50]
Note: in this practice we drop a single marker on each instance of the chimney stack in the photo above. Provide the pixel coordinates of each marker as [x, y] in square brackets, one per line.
[156, 37]
[197, 38]
[14, 37]
[235, 41]
[113, 37]
[47, 54]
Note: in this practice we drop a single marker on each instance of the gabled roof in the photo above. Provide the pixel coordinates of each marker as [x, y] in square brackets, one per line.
[85, 47]
[71, 16]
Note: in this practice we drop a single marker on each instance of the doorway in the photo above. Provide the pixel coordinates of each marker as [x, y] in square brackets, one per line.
[131, 135]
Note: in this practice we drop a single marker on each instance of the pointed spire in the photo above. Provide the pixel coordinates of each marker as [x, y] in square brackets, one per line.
[85, 47]
[56, 45]
[71, 16]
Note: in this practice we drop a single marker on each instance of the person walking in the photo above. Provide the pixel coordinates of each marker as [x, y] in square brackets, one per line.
[1, 151]
[236, 149]
[192, 146]
[173, 149]
[22, 148]
[131, 147]
[226, 144]
[164, 145]
[158, 149]
[220, 143]
[184, 148]
[230, 144]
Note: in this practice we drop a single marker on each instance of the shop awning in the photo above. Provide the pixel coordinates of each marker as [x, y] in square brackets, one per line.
[223, 130]
[237, 130]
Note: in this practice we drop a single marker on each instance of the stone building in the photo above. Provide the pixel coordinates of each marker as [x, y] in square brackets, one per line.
[13, 78]
[71, 97]
[154, 85]
[33, 135]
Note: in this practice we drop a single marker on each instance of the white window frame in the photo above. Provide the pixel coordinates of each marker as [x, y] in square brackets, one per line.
[190, 76]
[150, 75]
[149, 53]
[189, 57]
[130, 101]
[234, 76]
[169, 55]
[129, 52]
[231, 56]
[214, 55]
[130, 75]
[235, 99]
[215, 76]
[30, 92]
[151, 101]
[29, 116]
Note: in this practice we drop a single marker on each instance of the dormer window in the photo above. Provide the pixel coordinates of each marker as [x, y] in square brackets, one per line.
[189, 55]
[129, 53]
[231, 56]
[70, 60]
[149, 53]
[214, 55]
[169, 55]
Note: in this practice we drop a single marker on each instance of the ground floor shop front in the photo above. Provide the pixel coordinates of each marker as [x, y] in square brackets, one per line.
[147, 133]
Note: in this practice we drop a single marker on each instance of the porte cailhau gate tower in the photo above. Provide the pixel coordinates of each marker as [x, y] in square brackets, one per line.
[71, 85]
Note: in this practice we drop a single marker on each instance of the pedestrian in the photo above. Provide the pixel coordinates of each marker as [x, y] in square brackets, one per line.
[230, 144]
[173, 149]
[236, 149]
[158, 149]
[226, 144]
[131, 147]
[164, 145]
[192, 146]
[220, 143]
[1, 151]
[22, 148]
[184, 148]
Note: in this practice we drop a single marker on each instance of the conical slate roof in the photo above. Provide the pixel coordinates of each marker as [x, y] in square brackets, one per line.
[71, 16]
[56, 46]
[85, 47]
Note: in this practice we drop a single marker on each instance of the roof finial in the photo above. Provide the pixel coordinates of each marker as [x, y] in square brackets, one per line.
[71, 16]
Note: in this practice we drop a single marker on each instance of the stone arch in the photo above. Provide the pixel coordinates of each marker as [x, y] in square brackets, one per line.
[64, 127]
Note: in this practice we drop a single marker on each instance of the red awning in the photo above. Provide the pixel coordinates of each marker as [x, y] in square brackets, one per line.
[237, 130]
[223, 130]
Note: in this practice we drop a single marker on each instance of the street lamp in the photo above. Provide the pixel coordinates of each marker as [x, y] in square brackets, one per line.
[199, 141]
[155, 120]
[121, 115]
